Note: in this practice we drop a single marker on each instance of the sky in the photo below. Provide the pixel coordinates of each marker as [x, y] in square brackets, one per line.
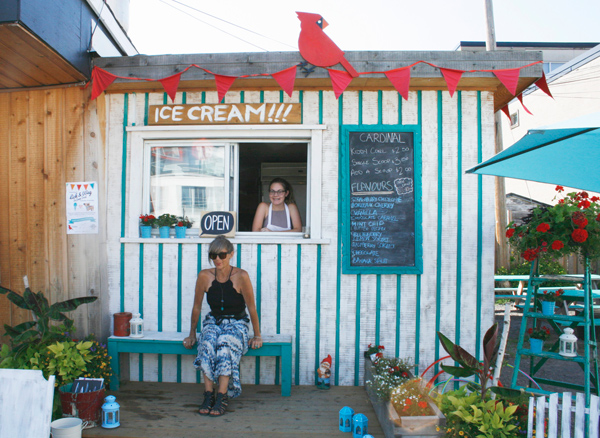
[169, 27]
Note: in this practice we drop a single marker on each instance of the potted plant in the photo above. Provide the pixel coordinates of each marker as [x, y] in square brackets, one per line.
[147, 222]
[413, 409]
[549, 300]
[537, 336]
[165, 222]
[182, 225]
[374, 352]
[572, 226]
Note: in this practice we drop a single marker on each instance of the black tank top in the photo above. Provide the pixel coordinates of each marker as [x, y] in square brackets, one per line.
[223, 299]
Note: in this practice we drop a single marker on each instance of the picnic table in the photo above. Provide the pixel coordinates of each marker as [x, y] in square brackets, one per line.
[574, 293]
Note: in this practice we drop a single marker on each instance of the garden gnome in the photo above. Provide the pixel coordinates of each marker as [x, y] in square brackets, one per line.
[324, 373]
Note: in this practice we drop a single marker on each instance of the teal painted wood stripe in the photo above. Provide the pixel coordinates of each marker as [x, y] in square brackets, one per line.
[479, 227]
[258, 290]
[399, 109]
[440, 200]
[458, 226]
[298, 305]
[280, 96]
[262, 96]
[203, 97]
[160, 287]
[165, 99]
[239, 255]
[123, 199]
[380, 107]
[141, 282]
[318, 315]
[338, 267]
[184, 98]
[418, 325]
[199, 268]
[360, 107]
[242, 96]
[357, 355]
[301, 100]
[146, 108]
[378, 309]
[398, 312]
[320, 107]
[278, 322]
[179, 301]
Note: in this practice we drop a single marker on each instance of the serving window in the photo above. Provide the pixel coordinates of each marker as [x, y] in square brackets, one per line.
[185, 172]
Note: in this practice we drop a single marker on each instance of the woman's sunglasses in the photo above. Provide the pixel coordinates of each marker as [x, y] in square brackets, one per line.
[221, 255]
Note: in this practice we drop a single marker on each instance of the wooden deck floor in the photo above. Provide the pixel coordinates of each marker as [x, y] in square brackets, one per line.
[159, 410]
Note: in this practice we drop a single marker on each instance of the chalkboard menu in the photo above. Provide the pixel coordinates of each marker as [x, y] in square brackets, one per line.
[381, 189]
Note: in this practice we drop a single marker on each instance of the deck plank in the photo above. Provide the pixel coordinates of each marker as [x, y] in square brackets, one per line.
[151, 409]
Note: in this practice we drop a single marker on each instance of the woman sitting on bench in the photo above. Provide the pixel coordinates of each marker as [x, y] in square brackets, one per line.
[224, 337]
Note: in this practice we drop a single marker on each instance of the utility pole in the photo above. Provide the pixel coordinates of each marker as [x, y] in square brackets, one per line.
[502, 252]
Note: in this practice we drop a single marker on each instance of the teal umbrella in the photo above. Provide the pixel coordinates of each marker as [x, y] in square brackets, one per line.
[565, 153]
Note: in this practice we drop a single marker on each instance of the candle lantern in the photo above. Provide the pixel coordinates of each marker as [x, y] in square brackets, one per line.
[360, 425]
[568, 343]
[346, 414]
[136, 325]
[110, 413]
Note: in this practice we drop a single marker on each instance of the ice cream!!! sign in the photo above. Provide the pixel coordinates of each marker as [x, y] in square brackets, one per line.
[233, 113]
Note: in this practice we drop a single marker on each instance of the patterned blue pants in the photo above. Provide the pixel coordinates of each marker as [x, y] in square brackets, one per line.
[220, 349]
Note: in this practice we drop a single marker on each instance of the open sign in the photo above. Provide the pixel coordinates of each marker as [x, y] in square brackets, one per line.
[217, 223]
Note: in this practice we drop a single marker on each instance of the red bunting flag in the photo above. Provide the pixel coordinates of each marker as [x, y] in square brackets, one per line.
[509, 78]
[505, 111]
[542, 84]
[224, 83]
[101, 79]
[520, 97]
[339, 81]
[400, 79]
[285, 79]
[452, 77]
[170, 84]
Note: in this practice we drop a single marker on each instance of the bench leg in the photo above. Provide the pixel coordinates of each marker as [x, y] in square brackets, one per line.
[113, 352]
[286, 370]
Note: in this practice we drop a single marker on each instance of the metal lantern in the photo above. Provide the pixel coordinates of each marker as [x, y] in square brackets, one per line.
[136, 325]
[568, 343]
[110, 413]
[346, 414]
[360, 426]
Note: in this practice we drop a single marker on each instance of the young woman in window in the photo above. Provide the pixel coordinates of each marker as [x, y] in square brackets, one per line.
[282, 213]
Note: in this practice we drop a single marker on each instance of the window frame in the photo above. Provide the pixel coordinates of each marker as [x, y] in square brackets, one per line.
[141, 138]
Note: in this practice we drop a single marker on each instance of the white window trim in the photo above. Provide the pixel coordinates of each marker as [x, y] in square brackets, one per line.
[312, 134]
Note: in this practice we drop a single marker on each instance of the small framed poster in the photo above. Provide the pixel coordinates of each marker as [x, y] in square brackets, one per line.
[82, 207]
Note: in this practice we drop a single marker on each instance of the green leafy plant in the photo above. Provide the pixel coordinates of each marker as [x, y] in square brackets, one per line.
[468, 415]
[184, 222]
[572, 226]
[388, 374]
[40, 330]
[553, 296]
[167, 220]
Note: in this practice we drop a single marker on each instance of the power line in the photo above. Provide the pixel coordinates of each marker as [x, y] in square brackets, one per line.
[213, 26]
[233, 24]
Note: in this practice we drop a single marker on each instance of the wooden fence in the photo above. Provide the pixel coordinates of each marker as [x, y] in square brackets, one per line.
[585, 423]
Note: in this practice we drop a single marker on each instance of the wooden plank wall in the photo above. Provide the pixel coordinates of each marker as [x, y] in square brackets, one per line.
[48, 138]
[326, 311]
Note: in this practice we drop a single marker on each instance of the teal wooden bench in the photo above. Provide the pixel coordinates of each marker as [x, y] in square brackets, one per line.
[172, 343]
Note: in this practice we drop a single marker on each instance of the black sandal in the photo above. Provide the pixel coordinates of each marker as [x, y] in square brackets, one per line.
[208, 403]
[220, 406]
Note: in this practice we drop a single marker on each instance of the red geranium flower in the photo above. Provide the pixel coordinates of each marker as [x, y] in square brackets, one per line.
[557, 244]
[594, 199]
[379, 355]
[510, 232]
[408, 402]
[583, 194]
[559, 189]
[579, 235]
[422, 404]
[584, 204]
[404, 374]
[543, 227]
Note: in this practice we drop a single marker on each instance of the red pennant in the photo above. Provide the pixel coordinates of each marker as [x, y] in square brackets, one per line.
[400, 79]
[520, 97]
[509, 78]
[452, 77]
[224, 83]
[505, 111]
[101, 79]
[170, 85]
[543, 85]
[285, 79]
[339, 81]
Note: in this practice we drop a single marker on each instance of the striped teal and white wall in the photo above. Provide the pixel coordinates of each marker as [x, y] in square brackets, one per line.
[299, 286]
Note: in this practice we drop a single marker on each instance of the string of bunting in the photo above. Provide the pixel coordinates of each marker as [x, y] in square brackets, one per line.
[340, 79]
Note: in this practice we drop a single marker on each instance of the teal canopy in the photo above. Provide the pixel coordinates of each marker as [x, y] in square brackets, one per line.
[565, 153]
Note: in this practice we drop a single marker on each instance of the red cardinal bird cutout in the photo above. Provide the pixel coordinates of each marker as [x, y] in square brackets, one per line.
[316, 47]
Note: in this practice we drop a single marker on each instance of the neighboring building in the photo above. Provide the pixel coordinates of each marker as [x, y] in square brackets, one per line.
[49, 136]
[308, 284]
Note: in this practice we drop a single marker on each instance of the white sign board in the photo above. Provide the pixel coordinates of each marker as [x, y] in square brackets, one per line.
[82, 208]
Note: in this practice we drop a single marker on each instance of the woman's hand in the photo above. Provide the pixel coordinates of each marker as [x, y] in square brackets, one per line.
[255, 342]
[189, 342]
